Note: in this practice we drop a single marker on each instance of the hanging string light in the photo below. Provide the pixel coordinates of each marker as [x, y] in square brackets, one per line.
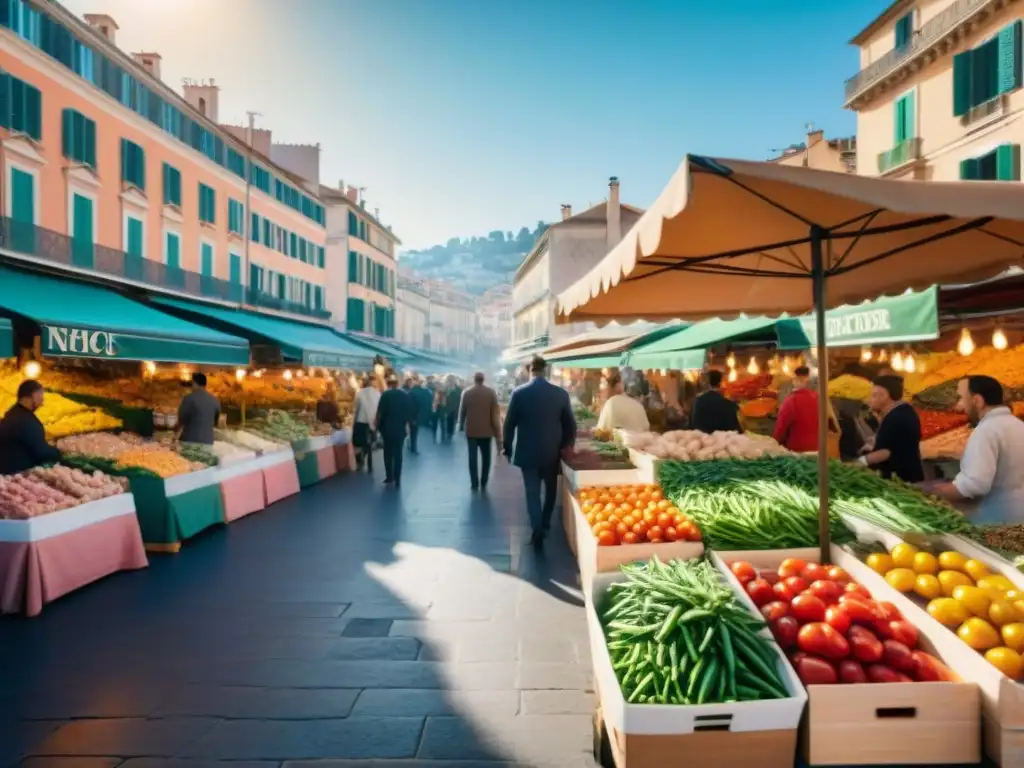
[732, 374]
[752, 367]
[897, 361]
[785, 366]
[287, 375]
[240, 374]
[999, 339]
[883, 356]
[966, 344]
[865, 355]
[148, 368]
[731, 361]
[32, 369]
[910, 364]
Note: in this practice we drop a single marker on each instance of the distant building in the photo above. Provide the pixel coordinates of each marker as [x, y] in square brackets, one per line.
[412, 311]
[494, 322]
[839, 155]
[452, 321]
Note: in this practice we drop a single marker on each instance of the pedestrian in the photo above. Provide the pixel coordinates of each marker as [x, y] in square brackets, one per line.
[423, 403]
[540, 424]
[896, 449]
[440, 411]
[198, 413]
[451, 408]
[797, 425]
[621, 410]
[327, 407]
[394, 415]
[713, 411]
[22, 435]
[364, 419]
[480, 419]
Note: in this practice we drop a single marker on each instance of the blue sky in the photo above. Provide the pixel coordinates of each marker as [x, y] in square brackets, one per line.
[464, 116]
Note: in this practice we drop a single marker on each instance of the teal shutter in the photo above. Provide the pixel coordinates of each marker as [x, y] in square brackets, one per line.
[1009, 56]
[206, 265]
[67, 131]
[1008, 162]
[962, 83]
[904, 30]
[969, 169]
[33, 112]
[82, 232]
[254, 228]
[909, 115]
[173, 251]
[134, 244]
[23, 211]
[236, 268]
[89, 142]
[353, 267]
[7, 101]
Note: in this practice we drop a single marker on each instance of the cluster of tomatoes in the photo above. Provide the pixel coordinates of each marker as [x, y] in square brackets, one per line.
[634, 514]
[833, 631]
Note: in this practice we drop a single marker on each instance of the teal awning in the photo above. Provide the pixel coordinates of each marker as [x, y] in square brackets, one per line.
[685, 349]
[617, 349]
[6, 338]
[377, 346]
[594, 361]
[311, 345]
[85, 320]
[889, 320]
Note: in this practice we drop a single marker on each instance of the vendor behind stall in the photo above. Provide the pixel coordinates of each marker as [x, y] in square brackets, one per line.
[992, 467]
[713, 411]
[797, 425]
[327, 407]
[896, 449]
[198, 413]
[621, 410]
[22, 436]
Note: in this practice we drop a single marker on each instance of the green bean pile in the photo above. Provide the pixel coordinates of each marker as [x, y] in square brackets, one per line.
[677, 634]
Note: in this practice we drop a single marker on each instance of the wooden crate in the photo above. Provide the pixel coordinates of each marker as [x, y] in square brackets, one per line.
[883, 723]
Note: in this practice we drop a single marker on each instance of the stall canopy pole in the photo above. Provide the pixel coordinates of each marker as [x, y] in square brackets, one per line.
[818, 289]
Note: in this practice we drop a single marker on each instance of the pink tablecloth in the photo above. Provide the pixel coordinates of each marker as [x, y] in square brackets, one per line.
[38, 572]
[344, 457]
[280, 481]
[243, 495]
[326, 464]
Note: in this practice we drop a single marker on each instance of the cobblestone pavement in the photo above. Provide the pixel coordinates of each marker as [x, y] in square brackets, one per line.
[351, 625]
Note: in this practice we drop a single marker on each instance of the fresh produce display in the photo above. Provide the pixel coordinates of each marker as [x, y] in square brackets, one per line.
[80, 485]
[1005, 540]
[23, 497]
[677, 634]
[596, 454]
[938, 422]
[948, 445]
[160, 461]
[90, 420]
[247, 440]
[848, 387]
[748, 387]
[941, 397]
[104, 445]
[197, 454]
[582, 413]
[228, 453]
[760, 408]
[634, 514]
[693, 445]
[985, 610]
[833, 631]
[60, 416]
[279, 426]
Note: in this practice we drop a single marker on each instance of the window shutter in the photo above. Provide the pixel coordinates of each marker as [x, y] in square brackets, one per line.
[1009, 57]
[33, 112]
[962, 83]
[67, 123]
[909, 119]
[124, 160]
[5, 100]
[1008, 162]
[89, 141]
[254, 228]
[969, 169]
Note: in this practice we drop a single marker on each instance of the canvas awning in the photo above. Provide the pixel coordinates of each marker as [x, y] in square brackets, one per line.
[6, 338]
[310, 345]
[84, 320]
[685, 349]
[570, 358]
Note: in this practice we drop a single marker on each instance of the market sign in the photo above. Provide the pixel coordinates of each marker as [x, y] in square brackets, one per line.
[328, 360]
[67, 341]
[6, 338]
[889, 320]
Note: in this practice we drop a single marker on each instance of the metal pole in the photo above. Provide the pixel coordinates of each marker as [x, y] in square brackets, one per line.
[818, 290]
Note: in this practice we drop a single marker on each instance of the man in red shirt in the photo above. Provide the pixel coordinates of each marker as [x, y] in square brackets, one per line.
[797, 425]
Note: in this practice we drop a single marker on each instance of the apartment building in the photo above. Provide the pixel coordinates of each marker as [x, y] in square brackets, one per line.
[109, 172]
[412, 311]
[938, 96]
[451, 322]
[838, 155]
[494, 322]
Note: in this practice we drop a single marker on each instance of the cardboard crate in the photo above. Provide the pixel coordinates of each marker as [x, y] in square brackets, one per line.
[883, 723]
[583, 478]
[736, 735]
[646, 465]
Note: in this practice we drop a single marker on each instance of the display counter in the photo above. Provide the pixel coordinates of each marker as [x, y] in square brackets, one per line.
[175, 509]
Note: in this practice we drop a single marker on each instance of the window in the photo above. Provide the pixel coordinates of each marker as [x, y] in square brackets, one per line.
[133, 164]
[236, 163]
[294, 243]
[321, 259]
[78, 142]
[172, 185]
[353, 223]
[255, 228]
[355, 315]
[904, 30]
[353, 267]
[172, 250]
[987, 71]
[318, 297]
[905, 126]
[1001, 164]
[236, 269]
[133, 237]
[206, 258]
[236, 217]
[207, 204]
[21, 107]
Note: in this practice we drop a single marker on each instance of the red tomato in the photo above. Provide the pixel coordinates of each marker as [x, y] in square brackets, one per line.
[813, 572]
[790, 587]
[770, 576]
[821, 639]
[903, 632]
[851, 671]
[827, 590]
[743, 571]
[785, 631]
[881, 629]
[837, 618]
[859, 610]
[879, 673]
[774, 610]
[898, 656]
[928, 669]
[760, 591]
[795, 656]
[888, 611]
[852, 588]
[791, 566]
[838, 574]
[813, 670]
[806, 608]
[864, 646]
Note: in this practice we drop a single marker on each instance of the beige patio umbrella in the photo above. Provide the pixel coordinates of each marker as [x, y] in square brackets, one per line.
[730, 237]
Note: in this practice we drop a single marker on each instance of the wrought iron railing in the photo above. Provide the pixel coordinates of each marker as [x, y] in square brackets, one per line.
[55, 248]
[906, 151]
[930, 33]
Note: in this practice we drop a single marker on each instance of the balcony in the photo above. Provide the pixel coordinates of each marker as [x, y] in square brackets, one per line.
[257, 298]
[931, 33]
[904, 153]
[46, 247]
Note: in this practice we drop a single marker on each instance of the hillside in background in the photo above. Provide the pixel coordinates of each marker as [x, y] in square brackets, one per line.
[474, 264]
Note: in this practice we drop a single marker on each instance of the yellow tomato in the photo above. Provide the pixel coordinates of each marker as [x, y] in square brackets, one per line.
[974, 599]
[976, 569]
[950, 580]
[903, 555]
[925, 562]
[952, 561]
[948, 611]
[927, 586]
[1006, 660]
[902, 579]
[1002, 612]
[1013, 635]
[978, 634]
[880, 562]
[1013, 595]
[995, 581]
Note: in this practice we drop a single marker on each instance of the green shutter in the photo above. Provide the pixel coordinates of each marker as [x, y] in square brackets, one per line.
[33, 112]
[206, 265]
[67, 143]
[134, 245]
[962, 65]
[903, 30]
[969, 169]
[1008, 162]
[89, 140]
[173, 251]
[236, 268]
[1009, 56]
[7, 101]
[23, 203]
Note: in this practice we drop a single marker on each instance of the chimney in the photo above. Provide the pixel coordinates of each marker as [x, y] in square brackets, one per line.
[203, 96]
[376, 213]
[614, 217]
[813, 137]
[149, 62]
[566, 211]
[103, 24]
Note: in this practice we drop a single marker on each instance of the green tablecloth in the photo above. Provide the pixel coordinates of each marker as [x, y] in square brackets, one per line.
[309, 471]
[168, 521]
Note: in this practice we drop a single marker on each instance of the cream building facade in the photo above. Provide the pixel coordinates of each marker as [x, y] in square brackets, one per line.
[494, 322]
[838, 155]
[938, 96]
[451, 322]
[412, 308]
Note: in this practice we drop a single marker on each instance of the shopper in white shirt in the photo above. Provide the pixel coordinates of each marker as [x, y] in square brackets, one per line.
[364, 416]
[992, 467]
[622, 411]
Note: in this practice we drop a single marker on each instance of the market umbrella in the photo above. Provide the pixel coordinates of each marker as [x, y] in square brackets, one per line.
[731, 237]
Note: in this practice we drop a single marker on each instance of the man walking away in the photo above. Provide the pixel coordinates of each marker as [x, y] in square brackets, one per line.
[540, 423]
[364, 418]
[713, 411]
[454, 399]
[480, 419]
[422, 402]
[440, 412]
[394, 414]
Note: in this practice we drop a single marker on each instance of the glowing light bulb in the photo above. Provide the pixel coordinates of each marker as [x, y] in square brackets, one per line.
[258, 374]
[999, 339]
[32, 369]
[240, 374]
[897, 361]
[287, 375]
[966, 344]
[149, 368]
[785, 366]
[184, 373]
[865, 355]
[910, 364]
[732, 374]
[883, 356]
[731, 360]
[752, 367]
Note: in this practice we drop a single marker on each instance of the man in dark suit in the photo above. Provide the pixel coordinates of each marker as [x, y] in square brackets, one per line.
[394, 415]
[540, 423]
[423, 403]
